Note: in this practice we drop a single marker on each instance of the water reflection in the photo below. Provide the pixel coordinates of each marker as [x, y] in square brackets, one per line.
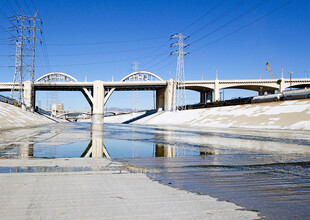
[164, 150]
[251, 168]
[26, 150]
[96, 148]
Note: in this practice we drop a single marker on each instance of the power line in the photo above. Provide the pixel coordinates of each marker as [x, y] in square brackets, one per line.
[238, 4]
[204, 15]
[234, 7]
[243, 27]
[173, 61]
[10, 7]
[107, 52]
[106, 42]
[28, 7]
[100, 53]
[18, 5]
[101, 62]
[43, 45]
[165, 58]
[232, 21]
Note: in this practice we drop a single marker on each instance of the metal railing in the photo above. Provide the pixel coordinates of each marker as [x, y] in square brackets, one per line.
[8, 100]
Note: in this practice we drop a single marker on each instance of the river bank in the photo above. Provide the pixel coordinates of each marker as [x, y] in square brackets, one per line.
[284, 115]
[12, 117]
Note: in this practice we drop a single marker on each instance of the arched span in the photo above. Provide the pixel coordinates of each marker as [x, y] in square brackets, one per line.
[64, 77]
[136, 76]
[298, 85]
[141, 76]
[56, 77]
[256, 88]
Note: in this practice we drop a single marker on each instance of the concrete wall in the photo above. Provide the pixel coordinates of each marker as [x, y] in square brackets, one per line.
[12, 117]
[293, 115]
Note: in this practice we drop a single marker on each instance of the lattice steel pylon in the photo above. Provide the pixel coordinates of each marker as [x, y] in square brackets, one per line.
[25, 50]
[180, 77]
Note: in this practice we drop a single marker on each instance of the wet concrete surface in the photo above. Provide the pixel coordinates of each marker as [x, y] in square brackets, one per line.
[262, 171]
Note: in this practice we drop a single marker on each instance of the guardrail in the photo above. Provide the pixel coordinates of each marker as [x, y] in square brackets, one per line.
[8, 100]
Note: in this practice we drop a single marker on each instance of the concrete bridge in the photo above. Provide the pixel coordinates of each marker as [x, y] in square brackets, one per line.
[98, 92]
[210, 89]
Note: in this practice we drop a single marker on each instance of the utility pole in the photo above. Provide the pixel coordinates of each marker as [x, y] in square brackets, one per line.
[25, 50]
[290, 80]
[180, 77]
[135, 97]
[282, 72]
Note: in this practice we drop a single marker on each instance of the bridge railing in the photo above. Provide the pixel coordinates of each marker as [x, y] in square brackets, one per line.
[8, 100]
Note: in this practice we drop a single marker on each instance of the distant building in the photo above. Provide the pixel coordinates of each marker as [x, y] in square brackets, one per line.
[56, 108]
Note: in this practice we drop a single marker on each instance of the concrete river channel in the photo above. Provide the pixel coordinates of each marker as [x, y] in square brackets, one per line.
[267, 171]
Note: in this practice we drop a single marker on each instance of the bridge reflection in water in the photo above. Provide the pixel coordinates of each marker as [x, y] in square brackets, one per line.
[96, 148]
[107, 141]
[26, 150]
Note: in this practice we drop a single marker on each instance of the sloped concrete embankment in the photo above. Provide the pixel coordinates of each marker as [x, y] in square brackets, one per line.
[291, 115]
[12, 117]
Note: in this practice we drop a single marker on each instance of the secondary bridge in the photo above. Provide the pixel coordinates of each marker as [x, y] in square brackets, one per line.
[98, 92]
[209, 89]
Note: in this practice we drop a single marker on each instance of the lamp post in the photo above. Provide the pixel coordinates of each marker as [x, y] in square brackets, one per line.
[290, 80]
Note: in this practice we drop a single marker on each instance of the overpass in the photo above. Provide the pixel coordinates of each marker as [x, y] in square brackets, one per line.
[98, 92]
[210, 89]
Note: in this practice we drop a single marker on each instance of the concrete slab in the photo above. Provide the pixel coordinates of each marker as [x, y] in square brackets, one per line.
[102, 195]
[12, 117]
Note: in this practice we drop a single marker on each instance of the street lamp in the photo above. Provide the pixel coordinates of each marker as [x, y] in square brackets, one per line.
[290, 80]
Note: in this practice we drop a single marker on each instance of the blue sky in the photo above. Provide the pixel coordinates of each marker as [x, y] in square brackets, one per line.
[99, 40]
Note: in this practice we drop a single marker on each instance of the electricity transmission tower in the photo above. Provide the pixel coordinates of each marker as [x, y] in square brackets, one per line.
[135, 101]
[26, 28]
[180, 77]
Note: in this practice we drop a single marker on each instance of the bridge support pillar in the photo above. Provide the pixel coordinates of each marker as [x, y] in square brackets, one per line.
[216, 93]
[281, 85]
[165, 98]
[29, 95]
[98, 103]
[205, 97]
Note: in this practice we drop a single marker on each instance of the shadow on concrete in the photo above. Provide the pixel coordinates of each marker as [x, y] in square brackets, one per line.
[147, 113]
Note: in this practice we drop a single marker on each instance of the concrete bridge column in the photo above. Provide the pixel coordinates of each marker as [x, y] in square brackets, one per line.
[98, 104]
[29, 94]
[216, 92]
[205, 97]
[166, 97]
[281, 85]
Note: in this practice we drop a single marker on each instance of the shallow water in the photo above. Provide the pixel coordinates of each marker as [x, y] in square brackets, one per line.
[268, 172]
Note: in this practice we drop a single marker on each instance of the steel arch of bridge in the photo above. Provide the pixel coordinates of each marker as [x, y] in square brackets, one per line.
[64, 77]
[56, 77]
[142, 76]
[135, 76]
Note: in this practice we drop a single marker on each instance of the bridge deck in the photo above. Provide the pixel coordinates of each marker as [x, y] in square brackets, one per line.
[137, 85]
